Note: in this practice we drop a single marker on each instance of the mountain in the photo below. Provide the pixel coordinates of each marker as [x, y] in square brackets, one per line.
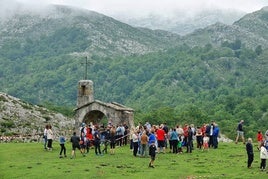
[251, 30]
[256, 22]
[100, 35]
[43, 49]
[216, 73]
[182, 22]
[27, 121]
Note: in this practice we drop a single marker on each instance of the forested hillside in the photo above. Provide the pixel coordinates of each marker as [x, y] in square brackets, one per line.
[162, 76]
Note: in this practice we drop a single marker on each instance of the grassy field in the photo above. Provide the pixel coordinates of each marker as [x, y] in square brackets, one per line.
[29, 160]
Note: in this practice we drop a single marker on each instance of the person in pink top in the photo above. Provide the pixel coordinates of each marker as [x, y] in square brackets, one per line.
[160, 134]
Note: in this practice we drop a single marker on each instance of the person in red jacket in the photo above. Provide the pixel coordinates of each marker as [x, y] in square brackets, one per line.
[203, 129]
[259, 138]
[185, 134]
[160, 134]
[89, 137]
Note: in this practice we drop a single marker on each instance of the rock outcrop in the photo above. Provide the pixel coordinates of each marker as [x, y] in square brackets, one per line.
[24, 121]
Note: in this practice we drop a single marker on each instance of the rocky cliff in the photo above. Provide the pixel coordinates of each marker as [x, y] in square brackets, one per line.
[24, 121]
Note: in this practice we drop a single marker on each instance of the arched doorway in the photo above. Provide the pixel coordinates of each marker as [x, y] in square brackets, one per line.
[95, 117]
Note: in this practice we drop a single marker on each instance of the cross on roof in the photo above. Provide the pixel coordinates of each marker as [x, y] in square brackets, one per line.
[86, 64]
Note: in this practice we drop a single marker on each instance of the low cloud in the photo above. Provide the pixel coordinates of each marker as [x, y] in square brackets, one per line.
[139, 7]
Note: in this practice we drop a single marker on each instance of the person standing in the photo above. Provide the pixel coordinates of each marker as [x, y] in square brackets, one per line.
[130, 138]
[82, 143]
[161, 136]
[89, 137]
[174, 141]
[199, 138]
[205, 142]
[135, 139]
[209, 131]
[152, 137]
[240, 132]
[112, 138]
[152, 153]
[263, 156]
[126, 132]
[259, 139]
[62, 145]
[189, 140]
[45, 137]
[249, 149]
[75, 144]
[144, 143]
[49, 138]
[216, 131]
[97, 142]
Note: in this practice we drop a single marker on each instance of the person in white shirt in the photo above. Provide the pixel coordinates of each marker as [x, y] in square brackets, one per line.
[45, 137]
[263, 156]
[135, 138]
[49, 137]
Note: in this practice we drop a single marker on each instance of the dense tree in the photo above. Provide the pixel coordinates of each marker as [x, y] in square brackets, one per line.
[182, 85]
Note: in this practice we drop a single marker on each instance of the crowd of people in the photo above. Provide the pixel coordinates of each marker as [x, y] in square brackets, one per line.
[140, 137]
[95, 135]
[146, 140]
[174, 139]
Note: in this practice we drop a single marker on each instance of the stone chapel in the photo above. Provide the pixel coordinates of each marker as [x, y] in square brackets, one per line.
[90, 110]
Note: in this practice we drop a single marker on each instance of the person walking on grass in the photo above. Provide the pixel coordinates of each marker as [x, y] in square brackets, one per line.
[75, 144]
[152, 153]
[263, 156]
[249, 149]
[62, 145]
[240, 132]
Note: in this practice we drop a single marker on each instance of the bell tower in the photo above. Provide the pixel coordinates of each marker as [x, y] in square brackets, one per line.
[85, 92]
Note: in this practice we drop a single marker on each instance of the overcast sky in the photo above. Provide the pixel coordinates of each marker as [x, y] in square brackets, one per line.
[110, 7]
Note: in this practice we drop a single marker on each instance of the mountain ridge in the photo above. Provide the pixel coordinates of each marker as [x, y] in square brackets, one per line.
[183, 22]
[245, 29]
[102, 31]
[216, 73]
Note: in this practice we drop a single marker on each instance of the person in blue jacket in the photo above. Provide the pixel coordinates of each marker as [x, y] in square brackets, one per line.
[62, 145]
[215, 136]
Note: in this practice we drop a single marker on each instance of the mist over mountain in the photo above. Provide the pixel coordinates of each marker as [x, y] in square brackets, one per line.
[251, 30]
[182, 22]
[101, 31]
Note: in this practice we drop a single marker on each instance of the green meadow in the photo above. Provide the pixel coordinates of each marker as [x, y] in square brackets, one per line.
[30, 160]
